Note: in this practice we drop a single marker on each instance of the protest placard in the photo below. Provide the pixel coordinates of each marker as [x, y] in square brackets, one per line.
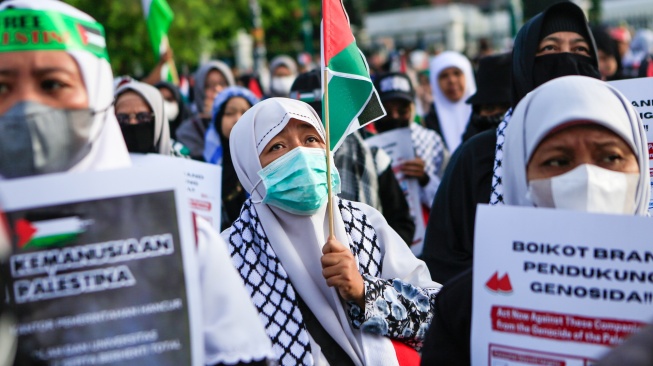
[203, 183]
[98, 270]
[640, 93]
[557, 287]
[398, 145]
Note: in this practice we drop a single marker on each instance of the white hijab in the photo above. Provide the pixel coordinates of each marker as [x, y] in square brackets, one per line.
[560, 101]
[108, 150]
[453, 117]
[154, 99]
[298, 240]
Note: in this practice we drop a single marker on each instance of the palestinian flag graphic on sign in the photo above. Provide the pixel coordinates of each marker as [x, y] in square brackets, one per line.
[49, 233]
[353, 101]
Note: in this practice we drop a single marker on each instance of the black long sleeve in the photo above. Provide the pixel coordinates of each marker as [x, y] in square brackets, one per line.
[394, 206]
[449, 238]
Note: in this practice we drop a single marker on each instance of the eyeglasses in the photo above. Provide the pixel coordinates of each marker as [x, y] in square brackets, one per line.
[142, 117]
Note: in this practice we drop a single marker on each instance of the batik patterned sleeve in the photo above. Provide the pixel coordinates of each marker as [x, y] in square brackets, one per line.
[395, 309]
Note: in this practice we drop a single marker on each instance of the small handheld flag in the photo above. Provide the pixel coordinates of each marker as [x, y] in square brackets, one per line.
[353, 101]
[349, 98]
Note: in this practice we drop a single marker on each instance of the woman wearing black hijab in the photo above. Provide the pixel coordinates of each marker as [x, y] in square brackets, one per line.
[468, 179]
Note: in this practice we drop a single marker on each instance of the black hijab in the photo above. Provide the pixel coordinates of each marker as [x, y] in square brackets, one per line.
[467, 180]
[528, 39]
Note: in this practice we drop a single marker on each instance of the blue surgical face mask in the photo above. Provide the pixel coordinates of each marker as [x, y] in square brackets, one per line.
[297, 181]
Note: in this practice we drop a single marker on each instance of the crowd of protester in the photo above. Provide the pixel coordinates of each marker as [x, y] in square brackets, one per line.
[354, 293]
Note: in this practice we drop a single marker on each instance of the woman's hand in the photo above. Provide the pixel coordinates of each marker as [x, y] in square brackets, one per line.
[340, 271]
[416, 169]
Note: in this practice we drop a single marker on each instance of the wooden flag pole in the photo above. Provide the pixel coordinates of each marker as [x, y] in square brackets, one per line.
[325, 82]
[171, 64]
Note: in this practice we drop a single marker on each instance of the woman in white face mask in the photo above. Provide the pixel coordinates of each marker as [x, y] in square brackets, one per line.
[352, 299]
[573, 143]
[576, 143]
[57, 116]
[283, 70]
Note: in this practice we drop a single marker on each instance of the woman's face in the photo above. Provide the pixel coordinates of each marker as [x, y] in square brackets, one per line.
[214, 83]
[233, 109]
[452, 83]
[296, 133]
[560, 42]
[570, 147]
[51, 78]
[132, 109]
[607, 64]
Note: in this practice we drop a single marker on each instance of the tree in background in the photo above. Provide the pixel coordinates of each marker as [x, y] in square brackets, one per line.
[200, 28]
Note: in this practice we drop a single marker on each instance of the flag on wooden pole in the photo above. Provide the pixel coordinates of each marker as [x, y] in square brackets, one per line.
[352, 100]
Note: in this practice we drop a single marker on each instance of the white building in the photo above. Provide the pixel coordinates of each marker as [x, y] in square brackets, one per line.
[452, 27]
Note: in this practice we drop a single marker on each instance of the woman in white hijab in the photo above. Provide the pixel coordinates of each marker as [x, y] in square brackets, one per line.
[152, 136]
[320, 303]
[452, 82]
[56, 116]
[576, 143]
[573, 143]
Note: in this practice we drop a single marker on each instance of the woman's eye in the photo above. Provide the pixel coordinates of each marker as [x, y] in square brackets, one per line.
[612, 158]
[547, 48]
[312, 139]
[556, 162]
[582, 50]
[4, 88]
[276, 147]
[52, 85]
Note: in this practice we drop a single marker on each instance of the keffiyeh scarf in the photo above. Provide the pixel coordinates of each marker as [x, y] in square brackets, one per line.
[270, 287]
[496, 195]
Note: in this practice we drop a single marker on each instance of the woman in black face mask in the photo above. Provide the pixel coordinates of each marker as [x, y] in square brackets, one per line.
[141, 115]
[554, 43]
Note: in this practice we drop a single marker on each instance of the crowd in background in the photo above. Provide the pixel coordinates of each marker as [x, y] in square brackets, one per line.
[461, 114]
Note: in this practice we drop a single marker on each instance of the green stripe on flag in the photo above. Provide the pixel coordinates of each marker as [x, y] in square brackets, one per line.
[346, 99]
[349, 61]
[51, 241]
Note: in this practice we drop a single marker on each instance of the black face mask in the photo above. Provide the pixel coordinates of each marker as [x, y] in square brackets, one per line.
[485, 122]
[549, 67]
[388, 124]
[139, 137]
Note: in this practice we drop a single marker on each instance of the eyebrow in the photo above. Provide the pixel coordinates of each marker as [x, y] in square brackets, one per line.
[38, 72]
[557, 39]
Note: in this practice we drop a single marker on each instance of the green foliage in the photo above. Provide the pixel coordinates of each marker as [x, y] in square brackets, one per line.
[199, 27]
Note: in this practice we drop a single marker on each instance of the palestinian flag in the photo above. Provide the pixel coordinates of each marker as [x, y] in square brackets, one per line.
[48, 233]
[353, 101]
[158, 17]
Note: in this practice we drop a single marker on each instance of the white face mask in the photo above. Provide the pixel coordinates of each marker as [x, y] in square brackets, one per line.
[281, 85]
[587, 188]
[171, 110]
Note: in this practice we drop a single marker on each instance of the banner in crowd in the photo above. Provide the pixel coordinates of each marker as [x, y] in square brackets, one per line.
[98, 270]
[640, 93]
[398, 144]
[203, 183]
[554, 287]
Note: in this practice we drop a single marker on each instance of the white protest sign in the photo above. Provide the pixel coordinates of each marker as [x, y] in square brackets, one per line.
[203, 183]
[557, 287]
[99, 274]
[640, 93]
[398, 144]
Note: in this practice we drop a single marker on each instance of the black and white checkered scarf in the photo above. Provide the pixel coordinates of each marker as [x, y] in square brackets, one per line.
[268, 283]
